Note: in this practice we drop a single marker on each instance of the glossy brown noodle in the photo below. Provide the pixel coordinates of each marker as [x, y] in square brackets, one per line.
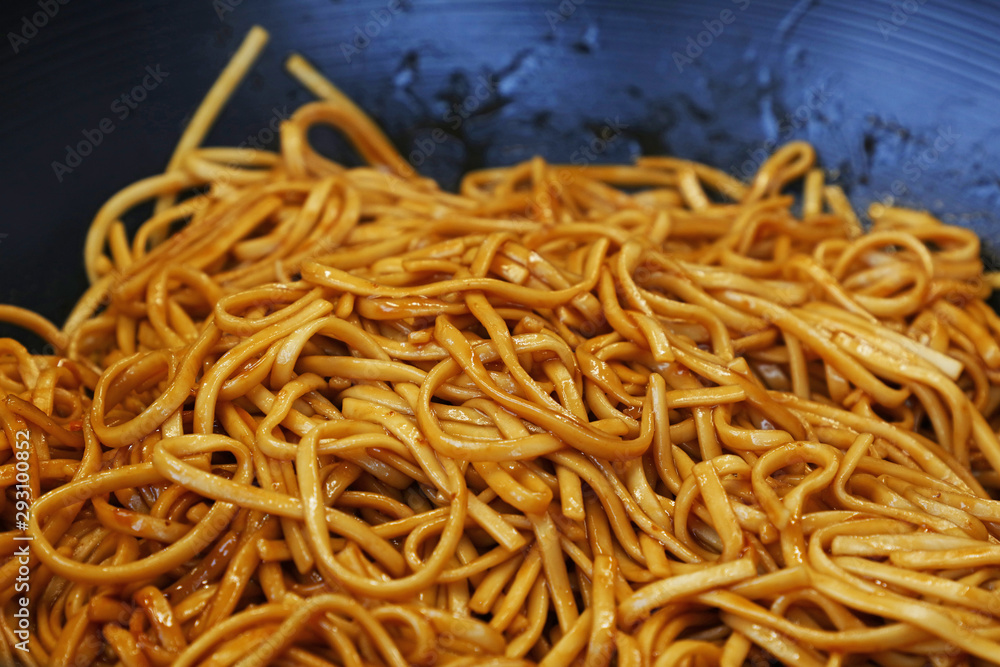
[643, 415]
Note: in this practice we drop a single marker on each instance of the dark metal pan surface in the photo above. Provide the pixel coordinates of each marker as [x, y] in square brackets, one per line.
[899, 97]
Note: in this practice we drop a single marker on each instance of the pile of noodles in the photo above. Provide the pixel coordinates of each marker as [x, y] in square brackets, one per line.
[633, 415]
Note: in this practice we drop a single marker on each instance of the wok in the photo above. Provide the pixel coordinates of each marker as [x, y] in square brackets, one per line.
[899, 98]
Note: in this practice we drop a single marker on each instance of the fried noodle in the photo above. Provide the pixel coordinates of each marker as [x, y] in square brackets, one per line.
[644, 414]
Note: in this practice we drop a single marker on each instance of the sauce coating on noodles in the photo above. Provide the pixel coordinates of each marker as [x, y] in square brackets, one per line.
[637, 415]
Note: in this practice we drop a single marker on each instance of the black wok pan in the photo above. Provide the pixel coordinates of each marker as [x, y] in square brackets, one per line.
[899, 98]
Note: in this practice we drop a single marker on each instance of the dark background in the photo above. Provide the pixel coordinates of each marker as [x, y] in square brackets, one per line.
[874, 84]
